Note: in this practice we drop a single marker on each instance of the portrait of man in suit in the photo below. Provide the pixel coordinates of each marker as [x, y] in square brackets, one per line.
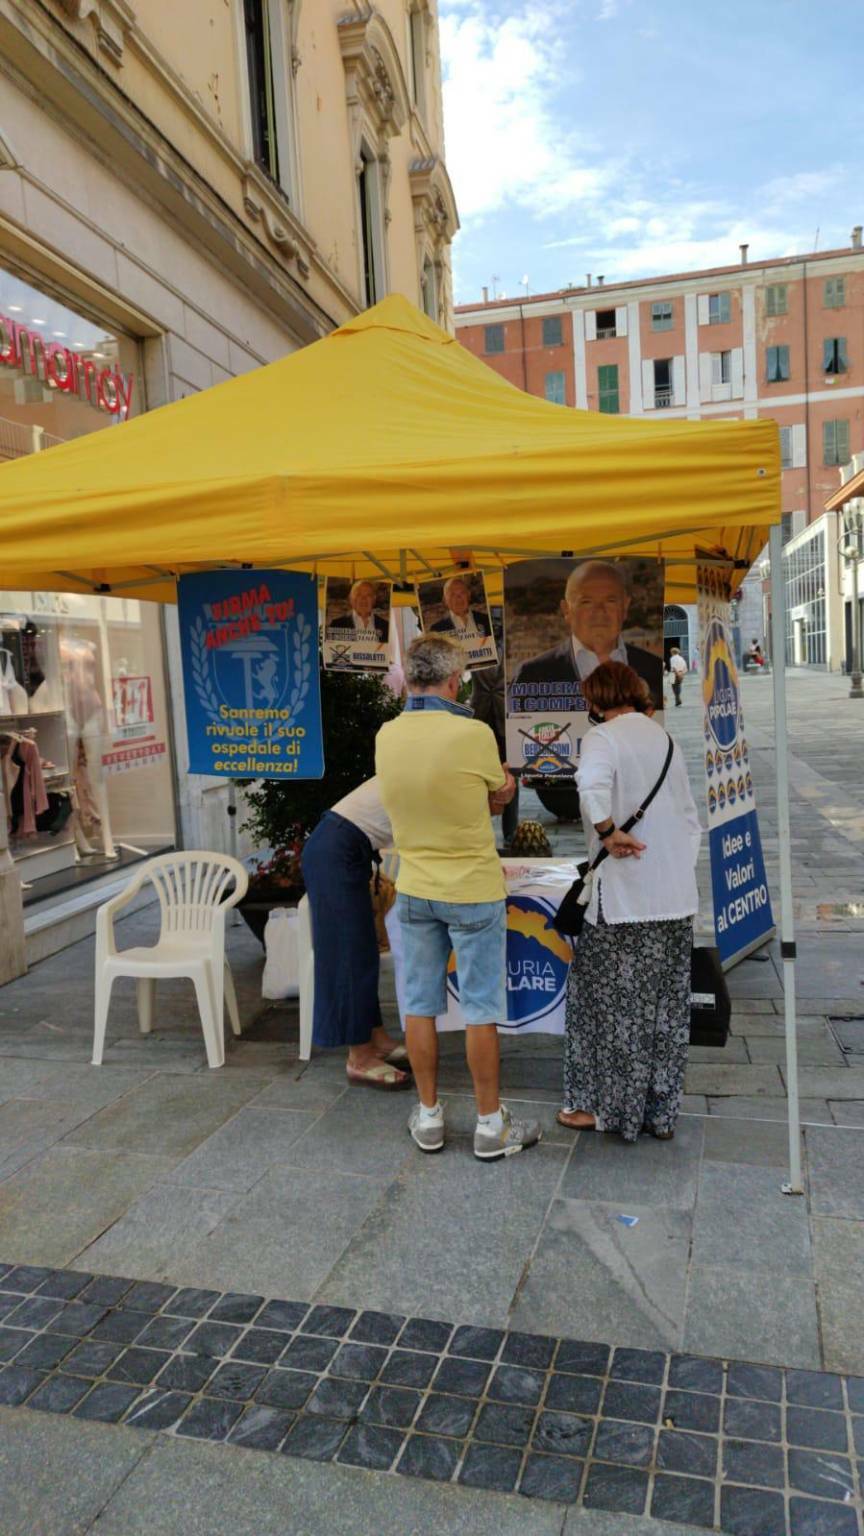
[361, 621]
[462, 620]
[594, 607]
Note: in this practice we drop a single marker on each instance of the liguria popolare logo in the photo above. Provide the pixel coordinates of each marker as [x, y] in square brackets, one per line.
[720, 687]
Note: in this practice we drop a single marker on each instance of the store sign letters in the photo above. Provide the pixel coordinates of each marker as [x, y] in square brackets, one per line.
[250, 674]
[106, 389]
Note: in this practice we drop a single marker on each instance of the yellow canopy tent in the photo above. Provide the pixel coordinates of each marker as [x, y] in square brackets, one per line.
[385, 446]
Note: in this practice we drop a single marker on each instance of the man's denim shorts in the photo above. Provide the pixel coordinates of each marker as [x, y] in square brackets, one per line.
[477, 933]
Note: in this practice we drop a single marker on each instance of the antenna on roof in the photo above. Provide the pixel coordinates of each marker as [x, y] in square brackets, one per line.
[524, 283]
[495, 281]
[816, 239]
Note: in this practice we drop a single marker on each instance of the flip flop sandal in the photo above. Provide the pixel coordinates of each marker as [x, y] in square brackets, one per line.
[568, 1124]
[397, 1056]
[380, 1076]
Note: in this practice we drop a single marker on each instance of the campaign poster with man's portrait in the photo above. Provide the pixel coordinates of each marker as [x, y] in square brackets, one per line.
[356, 624]
[457, 606]
[563, 618]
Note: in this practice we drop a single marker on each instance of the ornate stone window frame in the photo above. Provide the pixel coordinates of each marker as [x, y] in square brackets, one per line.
[379, 107]
[436, 221]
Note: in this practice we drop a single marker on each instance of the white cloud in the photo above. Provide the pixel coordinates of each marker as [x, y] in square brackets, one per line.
[504, 145]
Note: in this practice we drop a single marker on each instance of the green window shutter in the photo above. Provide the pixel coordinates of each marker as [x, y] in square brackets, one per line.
[552, 335]
[607, 388]
[843, 454]
[829, 448]
[842, 358]
[828, 355]
[553, 388]
[784, 361]
[493, 338]
[770, 364]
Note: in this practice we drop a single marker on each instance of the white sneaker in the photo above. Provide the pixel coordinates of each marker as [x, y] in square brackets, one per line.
[514, 1136]
[427, 1130]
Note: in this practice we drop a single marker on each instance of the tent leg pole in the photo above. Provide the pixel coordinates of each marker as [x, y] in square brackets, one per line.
[787, 920]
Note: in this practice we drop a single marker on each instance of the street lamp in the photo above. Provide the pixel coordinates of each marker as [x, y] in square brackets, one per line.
[851, 545]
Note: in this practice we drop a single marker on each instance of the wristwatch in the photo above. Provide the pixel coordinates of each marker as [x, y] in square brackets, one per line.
[606, 833]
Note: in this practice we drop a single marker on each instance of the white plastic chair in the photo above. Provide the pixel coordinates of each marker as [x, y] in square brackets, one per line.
[192, 895]
[306, 959]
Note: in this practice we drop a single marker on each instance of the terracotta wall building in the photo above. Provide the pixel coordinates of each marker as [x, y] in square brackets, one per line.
[781, 338]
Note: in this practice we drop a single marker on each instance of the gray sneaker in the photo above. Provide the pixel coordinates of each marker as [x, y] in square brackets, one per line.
[516, 1135]
[428, 1134]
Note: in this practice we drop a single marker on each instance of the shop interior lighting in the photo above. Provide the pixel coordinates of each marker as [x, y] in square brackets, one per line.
[58, 333]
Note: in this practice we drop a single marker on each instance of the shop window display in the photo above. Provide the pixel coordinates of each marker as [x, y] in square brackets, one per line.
[83, 731]
[84, 747]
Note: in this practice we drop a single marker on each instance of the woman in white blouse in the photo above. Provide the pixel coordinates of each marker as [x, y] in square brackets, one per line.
[628, 996]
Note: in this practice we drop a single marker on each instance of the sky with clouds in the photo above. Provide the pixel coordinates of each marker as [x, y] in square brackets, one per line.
[633, 137]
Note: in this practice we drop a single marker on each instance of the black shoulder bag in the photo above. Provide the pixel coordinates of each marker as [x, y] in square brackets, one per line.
[571, 913]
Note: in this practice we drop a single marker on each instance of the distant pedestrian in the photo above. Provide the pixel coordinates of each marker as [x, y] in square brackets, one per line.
[678, 668]
[628, 994]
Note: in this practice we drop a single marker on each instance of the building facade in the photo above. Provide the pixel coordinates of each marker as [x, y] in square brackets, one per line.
[187, 192]
[783, 339]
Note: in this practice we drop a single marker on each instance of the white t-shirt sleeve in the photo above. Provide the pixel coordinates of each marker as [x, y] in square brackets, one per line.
[595, 776]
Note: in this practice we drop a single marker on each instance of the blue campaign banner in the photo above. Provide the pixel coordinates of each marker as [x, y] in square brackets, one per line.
[742, 906]
[249, 641]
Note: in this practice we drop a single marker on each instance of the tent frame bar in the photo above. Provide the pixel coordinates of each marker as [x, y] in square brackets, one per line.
[117, 588]
[787, 917]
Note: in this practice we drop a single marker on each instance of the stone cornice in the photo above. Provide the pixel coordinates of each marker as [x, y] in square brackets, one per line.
[266, 205]
[111, 21]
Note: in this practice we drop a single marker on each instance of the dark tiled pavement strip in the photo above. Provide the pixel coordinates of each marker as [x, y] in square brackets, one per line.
[751, 1450]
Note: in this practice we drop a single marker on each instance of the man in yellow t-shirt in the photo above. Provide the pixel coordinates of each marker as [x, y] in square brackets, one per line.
[439, 775]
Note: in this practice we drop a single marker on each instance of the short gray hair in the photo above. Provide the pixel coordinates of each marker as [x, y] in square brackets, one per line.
[430, 660]
[588, 568]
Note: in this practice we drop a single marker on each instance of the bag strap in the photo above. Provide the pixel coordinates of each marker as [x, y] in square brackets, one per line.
[637, 815]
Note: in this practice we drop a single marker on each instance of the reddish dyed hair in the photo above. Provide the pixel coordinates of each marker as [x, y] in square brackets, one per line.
[616, 686]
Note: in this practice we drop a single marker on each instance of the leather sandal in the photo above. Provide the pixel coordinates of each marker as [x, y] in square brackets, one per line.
[397, 1056]
[380, 1076]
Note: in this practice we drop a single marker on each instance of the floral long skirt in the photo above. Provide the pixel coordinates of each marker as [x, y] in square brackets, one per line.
[628, 1024]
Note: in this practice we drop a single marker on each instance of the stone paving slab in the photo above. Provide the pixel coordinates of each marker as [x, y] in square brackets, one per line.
[57, 1474]
[615, 1431]
[598, 1278]
[251, 1495]
[58, 1204]
[478, 1264]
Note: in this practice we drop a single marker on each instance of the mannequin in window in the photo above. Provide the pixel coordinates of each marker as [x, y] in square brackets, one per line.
[86, 724]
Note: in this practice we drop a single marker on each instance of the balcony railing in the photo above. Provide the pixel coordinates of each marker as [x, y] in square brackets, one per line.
[606, 333]
[662, 398]
[18, 439]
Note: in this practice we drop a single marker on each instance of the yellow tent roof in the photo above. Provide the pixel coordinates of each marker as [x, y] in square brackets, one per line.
[384, 445]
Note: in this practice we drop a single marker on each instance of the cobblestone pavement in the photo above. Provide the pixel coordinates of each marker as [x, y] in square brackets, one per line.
[272, 1179]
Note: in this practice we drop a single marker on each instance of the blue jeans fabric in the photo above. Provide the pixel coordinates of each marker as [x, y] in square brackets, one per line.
[337, 868]
[477, 932]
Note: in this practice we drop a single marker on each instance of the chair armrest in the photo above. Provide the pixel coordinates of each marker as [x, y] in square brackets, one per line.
[105, 944]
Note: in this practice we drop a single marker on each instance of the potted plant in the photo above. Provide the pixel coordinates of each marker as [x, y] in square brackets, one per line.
[273, 882]
[281, 816]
